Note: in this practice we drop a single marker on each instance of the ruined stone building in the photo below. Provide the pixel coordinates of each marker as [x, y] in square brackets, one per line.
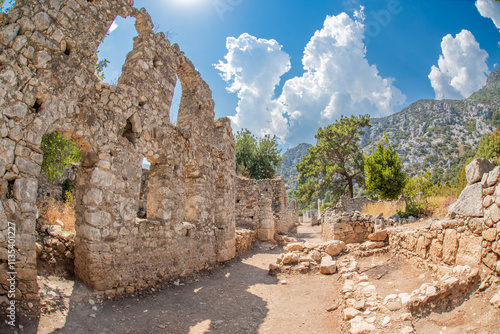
[262, 206]
[48, 83]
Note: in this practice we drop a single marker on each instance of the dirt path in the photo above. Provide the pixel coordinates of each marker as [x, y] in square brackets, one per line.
[238, 297]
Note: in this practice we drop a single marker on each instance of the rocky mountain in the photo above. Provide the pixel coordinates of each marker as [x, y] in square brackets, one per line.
[439, 135]
[430, 135]
[288, 168]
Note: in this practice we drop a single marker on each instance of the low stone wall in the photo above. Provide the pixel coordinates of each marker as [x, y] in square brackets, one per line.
[262, 206]
[450, 242]
[55, 251]
[472, 237]
[245, 240]
[364, 309]
[353, 227]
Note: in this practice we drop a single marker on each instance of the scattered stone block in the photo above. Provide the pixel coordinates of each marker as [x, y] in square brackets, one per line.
[294, 247]
[350, 313]
[378, 236]
[495, 300]
[328, 266]
[290, 258]
[334, 247]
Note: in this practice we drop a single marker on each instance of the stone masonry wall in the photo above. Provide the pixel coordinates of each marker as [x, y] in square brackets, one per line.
[48, 83]
[354, 227]
[471, 234]
[262, 206]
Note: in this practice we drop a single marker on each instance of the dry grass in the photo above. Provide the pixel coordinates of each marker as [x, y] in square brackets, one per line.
[388, 208]
[59, 213]
[440, 205]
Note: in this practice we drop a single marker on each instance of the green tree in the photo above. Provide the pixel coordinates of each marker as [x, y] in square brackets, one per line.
[489, 147]
[257, 158]
[420, 184]
[335, 163]
[246, 145]
[384, 173]
[58, 154]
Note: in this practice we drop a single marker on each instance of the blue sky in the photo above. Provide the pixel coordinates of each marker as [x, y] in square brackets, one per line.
[287, 67]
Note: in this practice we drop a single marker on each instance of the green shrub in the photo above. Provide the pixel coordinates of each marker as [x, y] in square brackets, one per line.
[67, 188]
[415, 208]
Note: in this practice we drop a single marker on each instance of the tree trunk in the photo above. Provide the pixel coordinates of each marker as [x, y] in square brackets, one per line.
[351, 187]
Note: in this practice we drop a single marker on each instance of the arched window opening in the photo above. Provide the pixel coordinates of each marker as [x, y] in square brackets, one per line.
[113, 50]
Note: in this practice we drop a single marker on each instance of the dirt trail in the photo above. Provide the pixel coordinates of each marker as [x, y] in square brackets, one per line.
[238, 297]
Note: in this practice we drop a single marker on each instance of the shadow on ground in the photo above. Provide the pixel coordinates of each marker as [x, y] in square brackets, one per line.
[216, 301]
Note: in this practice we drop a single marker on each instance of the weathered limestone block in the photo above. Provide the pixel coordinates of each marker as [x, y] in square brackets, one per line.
[490, 260]
[475, 170]
[334, 247]
[290, 258]
[294, 247]
[436, 251]
[493, 212]
[470, 202]
[328, 266]
[450, 246]
[378, 236]
[7, 33]
[493, 177]
[495, 300]
[469, 251]
[490, 234]
[421, 248]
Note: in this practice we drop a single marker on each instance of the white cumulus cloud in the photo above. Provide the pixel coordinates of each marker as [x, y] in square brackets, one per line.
[337, 80]
[113, 26]
[461, 69]
[253, 69]
[489, 9]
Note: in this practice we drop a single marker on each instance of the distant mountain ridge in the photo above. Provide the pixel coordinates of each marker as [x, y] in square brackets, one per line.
[438, 135]
[434, 135]
[288, 168]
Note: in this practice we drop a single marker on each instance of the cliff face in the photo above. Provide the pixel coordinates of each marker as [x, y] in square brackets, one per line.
[288, 168]
[439, 135]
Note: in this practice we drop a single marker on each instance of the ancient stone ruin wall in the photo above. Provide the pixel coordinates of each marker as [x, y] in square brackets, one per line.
[262, 206]
[48, 83]
[353, 227]
[293, 208]
[472, 237]
[347, 227]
